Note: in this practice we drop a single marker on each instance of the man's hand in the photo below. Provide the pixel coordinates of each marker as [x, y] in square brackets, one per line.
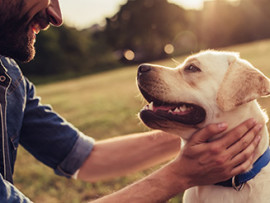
[199, 163]
[204, 162]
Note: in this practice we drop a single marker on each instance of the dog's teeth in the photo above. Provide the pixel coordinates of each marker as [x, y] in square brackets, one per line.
[151, 106]
[177, 110]
[183, 108]
[170, 111]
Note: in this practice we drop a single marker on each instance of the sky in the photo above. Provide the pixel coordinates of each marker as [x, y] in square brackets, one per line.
[84, 13]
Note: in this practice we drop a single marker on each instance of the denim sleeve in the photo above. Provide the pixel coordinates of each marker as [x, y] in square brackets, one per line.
[9, 193]
[51, 139]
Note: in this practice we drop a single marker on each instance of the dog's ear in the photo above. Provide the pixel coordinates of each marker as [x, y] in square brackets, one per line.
[242, 83]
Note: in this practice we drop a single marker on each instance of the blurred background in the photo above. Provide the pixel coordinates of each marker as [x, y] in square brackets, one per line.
[86, 70]
[100, 35]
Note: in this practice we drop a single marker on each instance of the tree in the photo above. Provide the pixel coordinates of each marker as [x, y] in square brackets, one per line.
[66, 50]
[145, 27]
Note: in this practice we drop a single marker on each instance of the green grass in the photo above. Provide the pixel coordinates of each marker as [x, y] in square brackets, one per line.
[102, 106]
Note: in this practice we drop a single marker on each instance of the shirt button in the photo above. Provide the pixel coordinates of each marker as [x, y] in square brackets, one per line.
[2, 78]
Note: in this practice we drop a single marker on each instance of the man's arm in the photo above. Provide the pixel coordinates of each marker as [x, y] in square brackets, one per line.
[199, 163]
[123, 155]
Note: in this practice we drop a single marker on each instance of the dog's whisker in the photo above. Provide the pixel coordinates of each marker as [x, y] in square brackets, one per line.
[177, 63]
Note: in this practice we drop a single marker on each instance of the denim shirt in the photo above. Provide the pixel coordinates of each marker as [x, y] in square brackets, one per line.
[47, 136]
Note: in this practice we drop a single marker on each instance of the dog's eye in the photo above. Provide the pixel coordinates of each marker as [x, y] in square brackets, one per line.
[192, 69]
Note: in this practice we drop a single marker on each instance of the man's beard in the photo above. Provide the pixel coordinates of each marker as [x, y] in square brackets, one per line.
[15, 40]
[17, 45]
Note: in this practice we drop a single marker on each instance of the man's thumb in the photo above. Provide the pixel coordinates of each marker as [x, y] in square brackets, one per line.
[207, 132]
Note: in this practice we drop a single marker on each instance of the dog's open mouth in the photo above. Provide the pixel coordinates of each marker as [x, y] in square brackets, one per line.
[185, 113]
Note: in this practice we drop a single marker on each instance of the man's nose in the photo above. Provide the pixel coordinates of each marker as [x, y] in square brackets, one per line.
[54, 13]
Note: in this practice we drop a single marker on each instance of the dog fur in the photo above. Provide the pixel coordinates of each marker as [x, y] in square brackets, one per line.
[222, 87]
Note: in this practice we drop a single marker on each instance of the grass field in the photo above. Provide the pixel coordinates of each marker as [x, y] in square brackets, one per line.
[102, 106]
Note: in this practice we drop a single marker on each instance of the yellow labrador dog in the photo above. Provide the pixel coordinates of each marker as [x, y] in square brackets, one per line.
[209, 87]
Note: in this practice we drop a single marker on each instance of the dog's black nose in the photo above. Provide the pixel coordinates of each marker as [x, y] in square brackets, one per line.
[144, 68]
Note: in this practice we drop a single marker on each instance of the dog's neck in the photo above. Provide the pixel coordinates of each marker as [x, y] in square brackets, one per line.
[244, 112]
[239, 115]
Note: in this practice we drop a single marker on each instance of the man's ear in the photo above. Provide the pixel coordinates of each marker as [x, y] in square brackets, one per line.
[242, 83]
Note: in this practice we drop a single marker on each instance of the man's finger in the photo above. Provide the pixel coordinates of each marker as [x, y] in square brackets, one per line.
[244, 160]
[208, 132]
[245, 141]
[243, 166]
[237, 133]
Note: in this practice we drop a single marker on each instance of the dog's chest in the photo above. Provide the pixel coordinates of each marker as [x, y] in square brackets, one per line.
[256, 190]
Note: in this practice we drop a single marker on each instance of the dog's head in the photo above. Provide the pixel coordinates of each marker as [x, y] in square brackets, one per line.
[204, 87]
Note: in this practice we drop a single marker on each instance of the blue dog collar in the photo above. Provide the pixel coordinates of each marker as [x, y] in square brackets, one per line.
[237, 182]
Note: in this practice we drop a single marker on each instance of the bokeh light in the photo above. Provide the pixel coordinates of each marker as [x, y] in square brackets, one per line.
[129, 55]
[169, 48]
